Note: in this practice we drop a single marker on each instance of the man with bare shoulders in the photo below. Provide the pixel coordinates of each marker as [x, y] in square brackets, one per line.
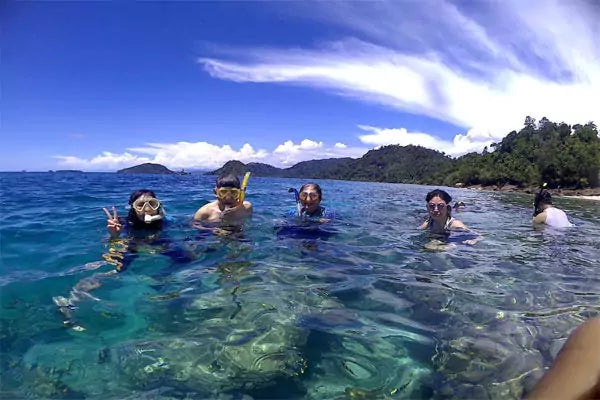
[229, 207]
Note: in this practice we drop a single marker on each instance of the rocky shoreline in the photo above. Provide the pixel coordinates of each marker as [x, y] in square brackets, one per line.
[588, 193]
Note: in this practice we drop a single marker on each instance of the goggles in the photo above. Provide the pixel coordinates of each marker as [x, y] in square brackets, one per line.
[308, 195]
[223, 192]
[436, 206]
[141, 203]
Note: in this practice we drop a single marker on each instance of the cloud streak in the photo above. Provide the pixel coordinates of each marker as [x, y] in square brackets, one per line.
[470, 69]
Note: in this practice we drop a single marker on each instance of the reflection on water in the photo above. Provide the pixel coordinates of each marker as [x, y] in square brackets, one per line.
[359, 308]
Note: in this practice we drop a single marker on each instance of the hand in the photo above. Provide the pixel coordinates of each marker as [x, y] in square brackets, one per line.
[471, 242]
[229, 210]
[112, 223]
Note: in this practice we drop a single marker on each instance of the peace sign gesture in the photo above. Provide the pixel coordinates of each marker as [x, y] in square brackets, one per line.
[112, 223]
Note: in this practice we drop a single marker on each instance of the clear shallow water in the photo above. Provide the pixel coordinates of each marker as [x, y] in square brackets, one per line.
[359, 310]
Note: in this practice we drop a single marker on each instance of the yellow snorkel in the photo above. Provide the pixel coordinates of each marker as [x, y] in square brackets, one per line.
[243, 187]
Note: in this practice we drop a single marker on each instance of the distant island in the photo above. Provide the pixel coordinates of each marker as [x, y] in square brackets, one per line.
[68, 171]
[147, 168]
[560, 155]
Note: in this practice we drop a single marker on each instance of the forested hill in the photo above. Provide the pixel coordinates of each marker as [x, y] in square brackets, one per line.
[561, 155]
[394, 163]
[556, 153]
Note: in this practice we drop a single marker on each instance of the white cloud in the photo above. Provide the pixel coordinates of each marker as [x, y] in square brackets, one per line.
[484, 72]
[203, 155]
[471, 141]
[340, 145]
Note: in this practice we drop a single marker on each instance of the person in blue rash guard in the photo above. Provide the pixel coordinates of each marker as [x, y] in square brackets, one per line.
[309, 204]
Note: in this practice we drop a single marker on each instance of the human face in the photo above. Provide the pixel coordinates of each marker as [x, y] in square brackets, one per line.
[146, 205]
[437, 207]
[228, 195]
[309, 197]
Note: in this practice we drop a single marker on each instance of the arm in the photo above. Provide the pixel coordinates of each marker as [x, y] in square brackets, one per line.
[540, 218]
[203, 213]
[575, 373]
[460, 225]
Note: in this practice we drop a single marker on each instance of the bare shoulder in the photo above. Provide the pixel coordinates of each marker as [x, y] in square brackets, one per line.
[458, 224]
[205, 211]
[540, 218]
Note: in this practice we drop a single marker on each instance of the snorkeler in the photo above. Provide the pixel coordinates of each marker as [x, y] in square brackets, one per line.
[146, 212]
[546, 213]
[230, 206]
[459, 205]
[575, 373]
[142, 227]
[440, 220]
[308, 204]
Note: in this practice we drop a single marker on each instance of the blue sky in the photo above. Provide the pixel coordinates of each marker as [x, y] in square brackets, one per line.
[100, 86]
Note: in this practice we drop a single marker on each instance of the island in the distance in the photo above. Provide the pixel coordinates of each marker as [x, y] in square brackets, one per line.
[147, 168]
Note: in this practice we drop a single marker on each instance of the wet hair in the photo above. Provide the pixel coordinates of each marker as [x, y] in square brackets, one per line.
[228, 180]
[132, 217]
[442, 194]
[543, 197]
[313, 185]
[439, 193]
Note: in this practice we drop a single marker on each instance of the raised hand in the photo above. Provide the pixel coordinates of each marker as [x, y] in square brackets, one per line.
[112, 223]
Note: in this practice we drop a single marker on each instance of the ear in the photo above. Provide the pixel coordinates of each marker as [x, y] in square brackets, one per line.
[215, 190]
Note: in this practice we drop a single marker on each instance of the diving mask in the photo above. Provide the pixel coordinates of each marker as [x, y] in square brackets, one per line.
[308, 195]
[223, 192]
[140, 204]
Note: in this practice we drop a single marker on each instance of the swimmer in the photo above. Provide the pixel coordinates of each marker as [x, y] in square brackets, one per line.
[440, 220]
[230, 206]
[146, 213]
[546, 213]
[309, 204]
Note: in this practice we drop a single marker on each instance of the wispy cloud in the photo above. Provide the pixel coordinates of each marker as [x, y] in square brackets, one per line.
[203, 155]
[484, 68]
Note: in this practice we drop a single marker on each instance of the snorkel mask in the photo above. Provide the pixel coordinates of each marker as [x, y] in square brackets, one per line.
[140, 204]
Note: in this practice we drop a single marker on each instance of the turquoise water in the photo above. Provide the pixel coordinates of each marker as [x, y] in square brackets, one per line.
[358, 309]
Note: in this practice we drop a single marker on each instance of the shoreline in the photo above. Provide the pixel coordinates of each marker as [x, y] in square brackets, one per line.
[584, 194]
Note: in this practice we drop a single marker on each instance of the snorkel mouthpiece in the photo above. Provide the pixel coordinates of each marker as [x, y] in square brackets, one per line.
[151, 218]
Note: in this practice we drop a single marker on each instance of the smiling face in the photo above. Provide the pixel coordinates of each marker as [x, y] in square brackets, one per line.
[438, 208]
[310, 197]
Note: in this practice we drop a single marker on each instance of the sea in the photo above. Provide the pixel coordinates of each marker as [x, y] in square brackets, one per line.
[365, 306]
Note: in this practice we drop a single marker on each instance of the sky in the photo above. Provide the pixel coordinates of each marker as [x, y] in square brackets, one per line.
[100, 86]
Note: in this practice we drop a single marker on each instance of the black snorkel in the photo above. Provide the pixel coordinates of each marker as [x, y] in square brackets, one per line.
[536, 201]
[297, 197]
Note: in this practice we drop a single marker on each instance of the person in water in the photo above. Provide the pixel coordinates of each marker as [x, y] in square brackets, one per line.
[229, 207]
[546, 213]
[440, 220]
[145, 213]
[143, 228]
[309, 204]
[575, 373]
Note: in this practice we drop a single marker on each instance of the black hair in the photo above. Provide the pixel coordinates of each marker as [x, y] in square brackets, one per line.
[542, 197]
[132, 217]
[228, 180]
[442, 194]
[314, 185]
